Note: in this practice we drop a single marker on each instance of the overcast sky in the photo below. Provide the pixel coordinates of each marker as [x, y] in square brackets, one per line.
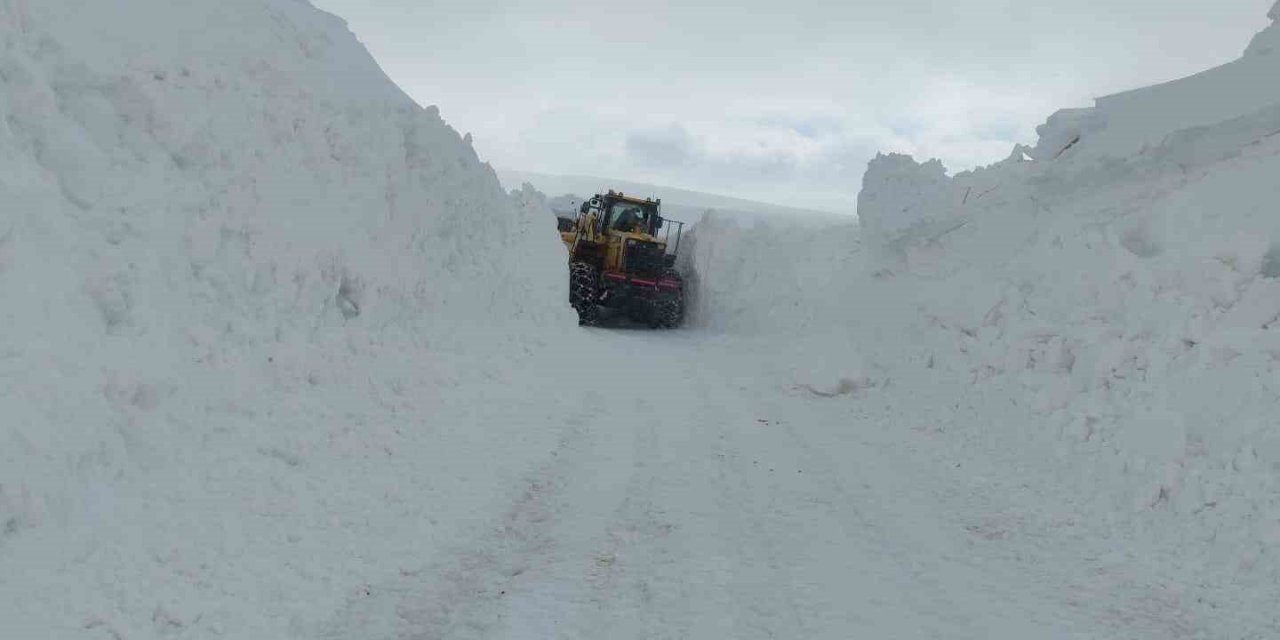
[777, 100]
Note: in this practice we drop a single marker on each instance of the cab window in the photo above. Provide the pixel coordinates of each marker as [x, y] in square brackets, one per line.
[628, 216]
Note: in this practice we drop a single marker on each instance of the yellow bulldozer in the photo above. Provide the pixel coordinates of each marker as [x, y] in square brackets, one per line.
[621, 257]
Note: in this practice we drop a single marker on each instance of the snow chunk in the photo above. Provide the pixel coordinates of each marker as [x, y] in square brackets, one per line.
[1063, 131]
[899, 194]
[1266, 42]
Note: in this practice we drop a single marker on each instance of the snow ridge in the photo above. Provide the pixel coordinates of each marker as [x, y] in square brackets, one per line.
[1103, 319]
[226, 239]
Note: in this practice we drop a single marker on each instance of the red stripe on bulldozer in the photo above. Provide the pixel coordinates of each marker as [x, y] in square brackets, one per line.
[665, 283]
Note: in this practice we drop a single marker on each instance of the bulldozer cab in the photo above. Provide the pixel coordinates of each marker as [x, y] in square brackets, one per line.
[623, 216]
[621, 234]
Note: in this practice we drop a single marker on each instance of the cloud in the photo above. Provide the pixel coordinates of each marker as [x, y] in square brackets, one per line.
[814, 126]
[669, 146]
[782, 101]
[807, 160]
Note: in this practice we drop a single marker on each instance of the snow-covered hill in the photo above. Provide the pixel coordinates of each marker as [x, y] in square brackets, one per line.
[282, 360]
[1100, 313]
[231, 252]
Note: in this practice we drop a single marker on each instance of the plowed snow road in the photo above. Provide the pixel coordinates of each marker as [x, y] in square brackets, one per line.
[710, 499]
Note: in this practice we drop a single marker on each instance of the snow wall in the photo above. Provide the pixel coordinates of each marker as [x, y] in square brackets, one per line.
[1101, 310]
[231, 252]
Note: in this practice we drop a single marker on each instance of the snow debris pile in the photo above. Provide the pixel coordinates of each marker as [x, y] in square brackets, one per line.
[1100, 312]
[229, 248]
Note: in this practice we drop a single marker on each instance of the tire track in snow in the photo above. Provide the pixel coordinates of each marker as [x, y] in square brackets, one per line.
[1008, 535]
[804, 569]
[622, 595]
[691, 557]
[712, 537]
[721, 513]
[709, 541]
[463, 594]
[614, 577]
[1034, 581]
[854, 546]
[943, 594]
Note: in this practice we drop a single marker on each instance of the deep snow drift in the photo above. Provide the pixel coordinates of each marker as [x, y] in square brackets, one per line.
[1099, 313]
[282, 360]
[231, 253]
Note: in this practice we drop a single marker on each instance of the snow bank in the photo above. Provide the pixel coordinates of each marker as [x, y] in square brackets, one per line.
[1103, 320]
[1127, 123]
[727, 257]
[232, 253]
[1266, 42]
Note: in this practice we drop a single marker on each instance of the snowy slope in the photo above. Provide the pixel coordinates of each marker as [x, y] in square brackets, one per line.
[1098, 317]
[232, 253]
[282, 360]
[729, 261]
[1127, 123]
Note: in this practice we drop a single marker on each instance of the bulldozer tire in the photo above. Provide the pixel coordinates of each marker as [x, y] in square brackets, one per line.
[668, 310]
[584, 292]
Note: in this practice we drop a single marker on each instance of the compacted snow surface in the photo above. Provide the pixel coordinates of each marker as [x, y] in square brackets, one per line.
[282, 360]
